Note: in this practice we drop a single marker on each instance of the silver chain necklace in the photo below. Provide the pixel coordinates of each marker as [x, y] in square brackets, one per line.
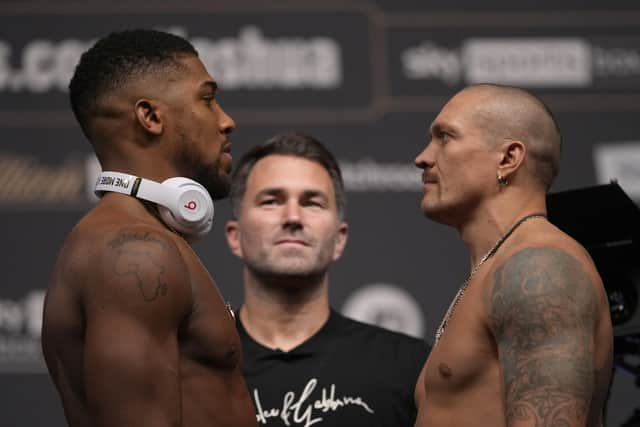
[465, 285]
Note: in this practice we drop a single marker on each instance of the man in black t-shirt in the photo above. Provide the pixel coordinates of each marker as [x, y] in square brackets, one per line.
[304, 363]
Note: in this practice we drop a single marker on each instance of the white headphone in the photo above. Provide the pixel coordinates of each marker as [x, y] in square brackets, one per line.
[184, 205]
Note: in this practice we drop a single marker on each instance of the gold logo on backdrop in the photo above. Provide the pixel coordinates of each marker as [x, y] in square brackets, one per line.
[25, 180]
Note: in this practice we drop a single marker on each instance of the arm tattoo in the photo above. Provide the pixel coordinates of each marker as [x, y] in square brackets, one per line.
[136, 255]
[543, 310]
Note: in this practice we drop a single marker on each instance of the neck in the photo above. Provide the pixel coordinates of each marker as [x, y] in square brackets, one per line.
[490, 224]
[146, 163]
[284, 314]
[152, 208]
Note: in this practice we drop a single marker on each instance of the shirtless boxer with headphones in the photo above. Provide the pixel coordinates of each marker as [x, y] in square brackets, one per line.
[135, 331]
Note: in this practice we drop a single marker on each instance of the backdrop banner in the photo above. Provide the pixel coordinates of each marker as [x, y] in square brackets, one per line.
[366, 78]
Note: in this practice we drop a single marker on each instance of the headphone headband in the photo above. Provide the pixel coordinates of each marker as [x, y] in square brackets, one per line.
[140, 188]
[117, 182]
[184, 204]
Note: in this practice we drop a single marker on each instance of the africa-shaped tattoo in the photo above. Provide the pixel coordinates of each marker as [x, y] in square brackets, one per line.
[137, 255]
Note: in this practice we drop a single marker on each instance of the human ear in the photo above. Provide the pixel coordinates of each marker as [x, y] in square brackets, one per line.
[341, 240]
[512, 155]
[233, 237]
[148, 116]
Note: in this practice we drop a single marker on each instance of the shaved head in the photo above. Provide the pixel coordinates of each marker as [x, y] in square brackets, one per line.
[509, 113]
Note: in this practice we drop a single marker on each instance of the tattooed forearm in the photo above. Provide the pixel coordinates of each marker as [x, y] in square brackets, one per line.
[136, 256]
[543, 310]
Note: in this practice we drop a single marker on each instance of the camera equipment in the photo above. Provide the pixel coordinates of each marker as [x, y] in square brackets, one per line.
[607, 223]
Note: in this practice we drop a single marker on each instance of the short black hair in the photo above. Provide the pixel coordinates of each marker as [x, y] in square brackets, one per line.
[117, 59]
[294, 144]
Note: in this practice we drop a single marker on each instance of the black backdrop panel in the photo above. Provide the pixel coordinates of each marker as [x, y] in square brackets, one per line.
[365, 78]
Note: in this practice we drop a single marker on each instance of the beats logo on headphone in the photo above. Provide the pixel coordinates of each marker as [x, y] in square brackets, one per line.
[184, 205]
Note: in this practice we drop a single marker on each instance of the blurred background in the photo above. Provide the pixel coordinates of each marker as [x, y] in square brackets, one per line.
[364, 77]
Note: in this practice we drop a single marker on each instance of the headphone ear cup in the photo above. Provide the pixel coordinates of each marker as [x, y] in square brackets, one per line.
[192, 215]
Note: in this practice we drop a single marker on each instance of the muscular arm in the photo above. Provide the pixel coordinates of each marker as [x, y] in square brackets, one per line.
[543, 311]
[133, 310]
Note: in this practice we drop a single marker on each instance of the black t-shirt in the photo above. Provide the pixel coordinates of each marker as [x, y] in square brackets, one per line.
[348, 374]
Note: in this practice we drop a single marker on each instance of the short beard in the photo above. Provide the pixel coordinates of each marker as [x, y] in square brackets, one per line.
[216, 182]
[294, 283]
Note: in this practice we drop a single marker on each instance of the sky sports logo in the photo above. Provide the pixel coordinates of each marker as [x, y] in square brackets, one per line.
[526, 62]
[537, 62]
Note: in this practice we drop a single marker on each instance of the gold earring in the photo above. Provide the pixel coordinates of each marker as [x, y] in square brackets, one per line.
[502, 181]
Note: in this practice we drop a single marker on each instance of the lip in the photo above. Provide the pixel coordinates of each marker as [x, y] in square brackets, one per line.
[226, 147]
[292, 242]
[428, 179]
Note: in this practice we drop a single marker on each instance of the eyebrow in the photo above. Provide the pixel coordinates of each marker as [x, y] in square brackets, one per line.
[438, 128]
[273, 191]
[210, 85]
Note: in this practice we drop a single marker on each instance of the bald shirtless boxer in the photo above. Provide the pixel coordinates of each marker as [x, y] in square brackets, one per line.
[527, 341]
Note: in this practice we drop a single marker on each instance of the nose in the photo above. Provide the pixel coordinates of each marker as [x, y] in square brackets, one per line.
[227, 124]
[291, 215]
[424, 160]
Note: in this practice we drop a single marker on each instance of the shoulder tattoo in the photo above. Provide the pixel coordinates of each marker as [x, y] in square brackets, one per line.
[543, 311]
[139, 256]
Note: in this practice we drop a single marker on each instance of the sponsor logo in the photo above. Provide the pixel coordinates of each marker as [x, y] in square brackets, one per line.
[386, 305]
[45, 65]
[20, 326]
[253, 61]
[616, 62]
[429, 61]
[369, 175]
[619, 161]
[25, 180]
[571, 62]
[528, 62]
[249, 60]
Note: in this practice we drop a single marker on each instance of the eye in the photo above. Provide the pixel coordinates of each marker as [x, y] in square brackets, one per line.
[209, 100]
[315, 203]
[268, 201]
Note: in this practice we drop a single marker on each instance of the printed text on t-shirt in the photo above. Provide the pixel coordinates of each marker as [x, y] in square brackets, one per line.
[303, 410]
